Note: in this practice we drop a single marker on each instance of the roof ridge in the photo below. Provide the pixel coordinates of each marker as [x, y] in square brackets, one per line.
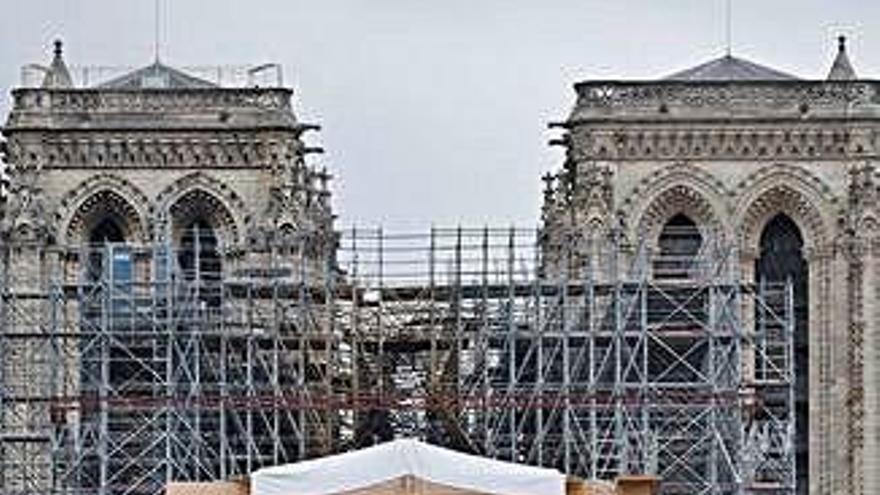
[729, 67]
[156, 76]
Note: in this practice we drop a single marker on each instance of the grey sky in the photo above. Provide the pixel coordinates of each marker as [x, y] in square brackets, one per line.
[436, 112]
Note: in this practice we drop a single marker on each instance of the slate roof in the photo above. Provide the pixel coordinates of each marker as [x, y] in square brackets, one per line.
[730, 68]
[157, 76]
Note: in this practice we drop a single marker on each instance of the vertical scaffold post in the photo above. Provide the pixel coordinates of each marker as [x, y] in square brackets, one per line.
[618, 341]
[593, 325]
[483, 343]
[106, 285]
[511, 406]
[276, 328]
[249, 378]
[566, 327]
[537, 335]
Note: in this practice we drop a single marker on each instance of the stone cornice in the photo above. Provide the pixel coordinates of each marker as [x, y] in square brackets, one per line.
[128, 150]
[730, 142]
[727, 99]
[150, 109]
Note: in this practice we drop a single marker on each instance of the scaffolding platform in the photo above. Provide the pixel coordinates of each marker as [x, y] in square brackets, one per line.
[116, 383]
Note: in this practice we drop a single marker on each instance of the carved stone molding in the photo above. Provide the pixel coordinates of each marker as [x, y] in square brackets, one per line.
[790, 190]
[105, 193]
[197, 204]
[199, 195]
[730, 143]
[605, 95]
[101, 205]
[679, 188]
[114, 151]
[674, 200]
[593, 201]
[24, 219]
[177, 100]
[782, 199]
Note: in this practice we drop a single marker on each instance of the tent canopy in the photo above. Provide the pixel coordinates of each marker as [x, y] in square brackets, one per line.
[374, 465]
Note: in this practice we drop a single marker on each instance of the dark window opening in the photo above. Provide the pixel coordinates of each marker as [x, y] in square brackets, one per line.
[105, 231]
[781, 261]
[679, 244]
[103, 239]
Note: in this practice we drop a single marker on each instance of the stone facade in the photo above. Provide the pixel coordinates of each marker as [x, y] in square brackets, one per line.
[731, 153]
[146, 156]
[729, 145]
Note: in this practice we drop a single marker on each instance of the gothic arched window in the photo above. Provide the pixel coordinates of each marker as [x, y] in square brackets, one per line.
[678, 245]
[201, 224]
[782, 261]
[102, 225]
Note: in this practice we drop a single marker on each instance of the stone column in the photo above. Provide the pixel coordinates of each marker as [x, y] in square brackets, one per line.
[838, 372]
[868, 313]
[819, 263]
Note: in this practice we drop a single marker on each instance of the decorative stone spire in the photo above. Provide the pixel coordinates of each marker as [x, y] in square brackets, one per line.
[841, 69]
[58, 76]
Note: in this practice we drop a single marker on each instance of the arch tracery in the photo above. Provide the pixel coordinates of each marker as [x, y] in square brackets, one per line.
[197, 206]
[677, 189]
[679, 199]
[102, 206]
[787, 189]
[198, 197]
[102, 198]
[758, 209]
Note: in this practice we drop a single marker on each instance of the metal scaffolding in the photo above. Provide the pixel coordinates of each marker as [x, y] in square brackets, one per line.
[128, 366]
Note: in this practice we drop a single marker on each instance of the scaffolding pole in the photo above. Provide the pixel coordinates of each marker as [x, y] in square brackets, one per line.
[129, 366]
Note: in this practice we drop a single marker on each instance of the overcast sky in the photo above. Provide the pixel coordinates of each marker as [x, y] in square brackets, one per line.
[436, 111]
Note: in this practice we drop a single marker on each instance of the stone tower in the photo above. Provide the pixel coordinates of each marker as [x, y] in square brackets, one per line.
[101, 179]
[781, 170]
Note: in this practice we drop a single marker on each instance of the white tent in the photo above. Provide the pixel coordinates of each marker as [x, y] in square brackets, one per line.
[372, 466]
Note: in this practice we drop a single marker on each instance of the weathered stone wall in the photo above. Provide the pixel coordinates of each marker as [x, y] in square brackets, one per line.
[152, 160]
[731, 156]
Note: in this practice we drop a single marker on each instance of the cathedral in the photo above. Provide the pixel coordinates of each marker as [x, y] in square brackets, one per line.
[781, 171]
[98, 176]
[157, 190]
